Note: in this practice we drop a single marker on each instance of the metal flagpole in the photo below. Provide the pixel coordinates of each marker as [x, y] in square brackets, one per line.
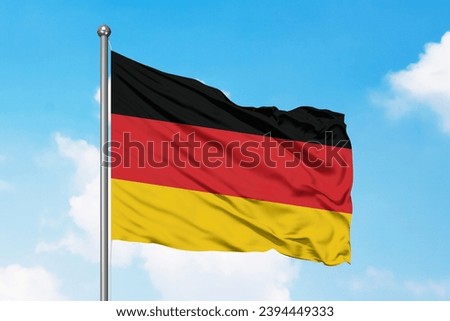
[104, 31]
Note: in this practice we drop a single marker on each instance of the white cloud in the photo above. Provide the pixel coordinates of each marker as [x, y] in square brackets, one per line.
[124, 253]
[97, 95]
[84, 205]
[376, 283]
[97, 92]
[373, 279]
[34, 283]
[85, 156]
[424, 84]
[436, 289]
[182, 275]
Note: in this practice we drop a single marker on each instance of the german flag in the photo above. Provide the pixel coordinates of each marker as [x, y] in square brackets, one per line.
[194, 171]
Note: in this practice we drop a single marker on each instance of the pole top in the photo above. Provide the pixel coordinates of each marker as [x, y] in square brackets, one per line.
[104, 30]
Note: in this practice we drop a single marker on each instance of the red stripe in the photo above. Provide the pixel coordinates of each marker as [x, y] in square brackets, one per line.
[231, 163]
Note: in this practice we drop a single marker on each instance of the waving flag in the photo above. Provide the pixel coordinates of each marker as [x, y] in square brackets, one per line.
[194, 171]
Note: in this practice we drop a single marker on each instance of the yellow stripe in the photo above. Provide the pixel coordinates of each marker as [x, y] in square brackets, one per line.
[200, 221]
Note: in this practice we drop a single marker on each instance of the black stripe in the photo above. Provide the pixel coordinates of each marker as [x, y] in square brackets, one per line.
[142, 91]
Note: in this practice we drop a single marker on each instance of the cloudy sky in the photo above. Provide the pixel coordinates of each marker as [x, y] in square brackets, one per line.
[385, 64]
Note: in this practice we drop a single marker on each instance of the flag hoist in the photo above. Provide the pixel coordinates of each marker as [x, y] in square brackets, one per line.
[104, 32]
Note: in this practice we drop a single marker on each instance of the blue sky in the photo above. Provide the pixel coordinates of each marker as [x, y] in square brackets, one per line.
[385, 64]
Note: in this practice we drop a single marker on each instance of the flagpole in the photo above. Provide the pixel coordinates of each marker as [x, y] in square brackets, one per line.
[104, 32]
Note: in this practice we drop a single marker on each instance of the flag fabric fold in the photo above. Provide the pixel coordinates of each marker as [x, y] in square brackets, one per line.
[194, 171]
